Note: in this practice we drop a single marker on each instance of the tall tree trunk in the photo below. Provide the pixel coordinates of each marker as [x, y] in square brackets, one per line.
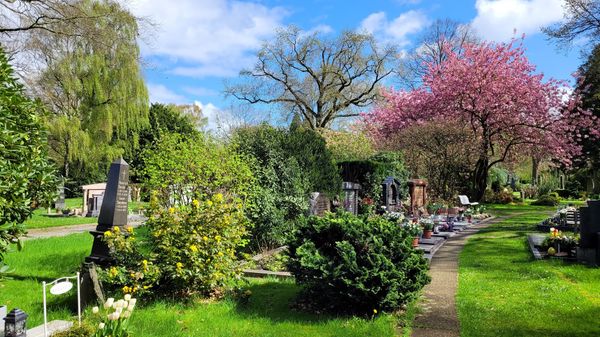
[480, 178]
[535, 164]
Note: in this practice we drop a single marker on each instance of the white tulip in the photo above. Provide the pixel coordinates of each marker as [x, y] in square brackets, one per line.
[117, 315]
[126, 314]
[127, 297]
[109, 302]
[95, 310]
[101, 326]
[115, 305]
[132, 301]
[130, 307]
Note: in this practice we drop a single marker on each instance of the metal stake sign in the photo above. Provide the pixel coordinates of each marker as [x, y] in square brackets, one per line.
[61, 286]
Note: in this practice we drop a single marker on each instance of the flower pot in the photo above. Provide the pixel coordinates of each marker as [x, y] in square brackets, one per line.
[416, 242]
[427, 234]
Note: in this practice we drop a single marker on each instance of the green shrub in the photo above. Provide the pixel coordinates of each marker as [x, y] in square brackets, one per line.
[504, 196]
[26, 176]
[547, 200]
[355, 264]
[372, 172]
[282, 190]
[189, 250]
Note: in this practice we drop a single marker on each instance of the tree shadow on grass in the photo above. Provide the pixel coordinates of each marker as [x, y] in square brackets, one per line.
[274, 300]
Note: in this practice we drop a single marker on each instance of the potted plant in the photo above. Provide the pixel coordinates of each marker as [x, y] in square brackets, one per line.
[415, 230]
[427, 225]
[469, 214]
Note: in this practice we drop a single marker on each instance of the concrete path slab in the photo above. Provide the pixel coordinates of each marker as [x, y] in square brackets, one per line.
[41, 233]
[439, 317]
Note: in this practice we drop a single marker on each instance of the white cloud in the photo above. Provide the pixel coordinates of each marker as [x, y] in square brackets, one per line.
[498, 19]
[161, 94]
[208, 37]
[219, 120]
[397, 30]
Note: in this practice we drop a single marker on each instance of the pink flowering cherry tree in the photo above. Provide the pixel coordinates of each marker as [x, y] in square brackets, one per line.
[494, 90]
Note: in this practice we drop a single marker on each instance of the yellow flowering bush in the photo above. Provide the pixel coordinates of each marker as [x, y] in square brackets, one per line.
[188, 250]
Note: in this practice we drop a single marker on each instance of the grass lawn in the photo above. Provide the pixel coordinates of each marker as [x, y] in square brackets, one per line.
[504, 292]
[267, 313]
[41, 219]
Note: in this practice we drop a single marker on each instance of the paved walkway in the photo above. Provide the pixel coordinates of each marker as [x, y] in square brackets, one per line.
[439, 317]
[40, 233]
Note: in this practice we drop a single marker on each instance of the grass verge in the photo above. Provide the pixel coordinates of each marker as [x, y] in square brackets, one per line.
[504, 292]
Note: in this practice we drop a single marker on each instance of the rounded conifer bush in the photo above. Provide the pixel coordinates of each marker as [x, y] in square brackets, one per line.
[355, 265]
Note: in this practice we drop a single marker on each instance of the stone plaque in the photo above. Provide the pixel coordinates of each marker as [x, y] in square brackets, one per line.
[351, 196]
[60, 201]
[113, 211]
[319, 204]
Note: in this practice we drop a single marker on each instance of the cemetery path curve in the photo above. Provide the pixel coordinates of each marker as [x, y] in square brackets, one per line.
[439, 316]
[41, 233]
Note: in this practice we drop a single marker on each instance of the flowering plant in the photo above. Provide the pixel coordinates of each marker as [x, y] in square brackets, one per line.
[117, 317]
[426, 223]
[396, 217]
[414, 229]
[189, 250]
[561, 241]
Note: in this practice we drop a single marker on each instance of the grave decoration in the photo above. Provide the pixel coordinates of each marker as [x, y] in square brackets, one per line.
[113, 212]
[351, 196]
[58, 287]
[589, 246]
[565, 219]
[391, 195]
[418, 196]
[15, 323]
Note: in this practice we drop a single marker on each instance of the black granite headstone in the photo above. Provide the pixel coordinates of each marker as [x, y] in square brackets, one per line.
[113, 211]
[351, 196]
[589, 243]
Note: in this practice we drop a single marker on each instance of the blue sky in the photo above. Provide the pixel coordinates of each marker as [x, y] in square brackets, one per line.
[199, 44]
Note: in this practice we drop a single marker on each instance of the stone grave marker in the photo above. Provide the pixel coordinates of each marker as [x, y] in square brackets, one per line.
[60, 202]
[351, 196]
[319, 204]
[391, 194]
[418, 195]
[589, 243]
[113, 211]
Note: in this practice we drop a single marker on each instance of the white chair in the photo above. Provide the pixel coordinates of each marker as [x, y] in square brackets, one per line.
[464, 201]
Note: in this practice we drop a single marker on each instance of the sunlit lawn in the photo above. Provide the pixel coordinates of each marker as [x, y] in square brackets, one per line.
[504, 292]
[268, 312]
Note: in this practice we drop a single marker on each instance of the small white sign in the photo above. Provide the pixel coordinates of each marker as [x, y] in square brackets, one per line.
[61, 288]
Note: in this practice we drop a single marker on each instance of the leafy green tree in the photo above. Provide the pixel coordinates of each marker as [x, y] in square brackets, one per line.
[321, 79]
[94, 87]
[281, 194]
[163, 119]
[180, 168]
[26, 176]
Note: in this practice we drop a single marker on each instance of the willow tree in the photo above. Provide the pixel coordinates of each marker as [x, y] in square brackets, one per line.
[93, 85]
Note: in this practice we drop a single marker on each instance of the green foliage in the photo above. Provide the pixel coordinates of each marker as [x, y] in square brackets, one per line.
[313, 157]
[26, 176]
[497, 178]
[372, 172]
[348, 146]
[184, 167]
[547, 200]
[92, 84]
[504, 196]
[281, 192]
[189, 250]
[355, 264]
[163, 119]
